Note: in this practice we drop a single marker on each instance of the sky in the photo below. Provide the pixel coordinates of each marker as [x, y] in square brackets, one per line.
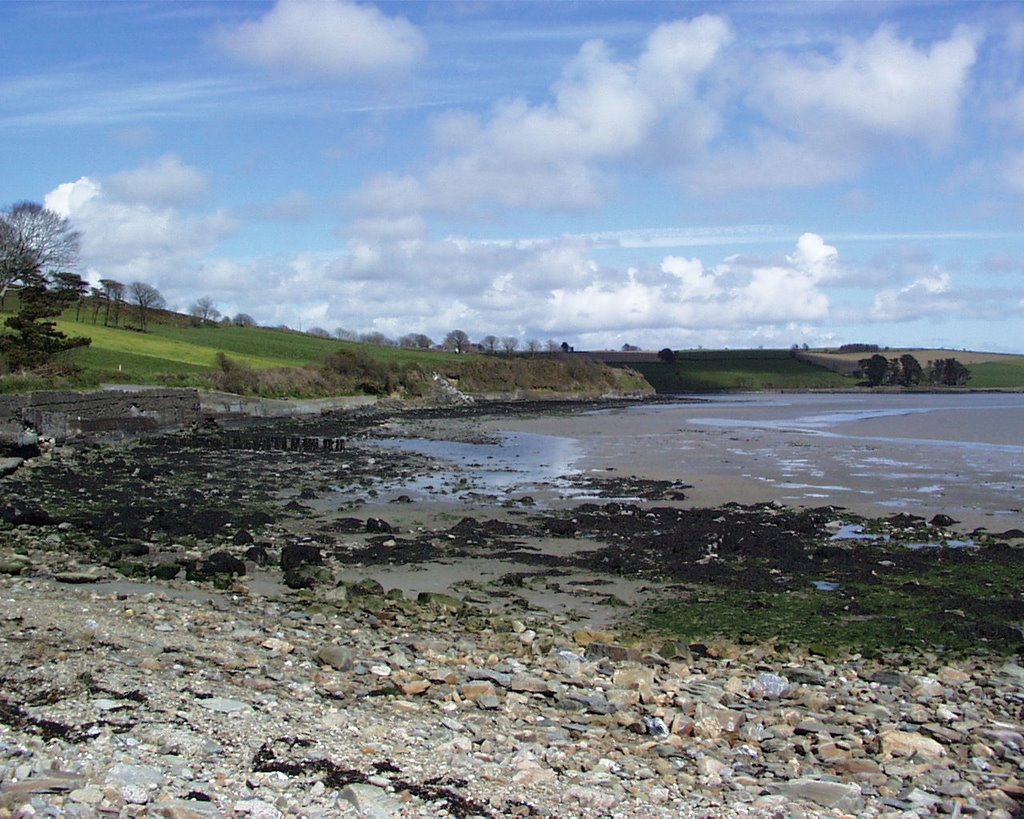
[679, 174]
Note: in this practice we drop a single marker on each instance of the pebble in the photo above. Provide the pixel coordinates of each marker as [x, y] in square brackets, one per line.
[257, 710]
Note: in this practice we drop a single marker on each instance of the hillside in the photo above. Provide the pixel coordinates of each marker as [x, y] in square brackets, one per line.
[988, 370]
[175, 351]
[714, 370]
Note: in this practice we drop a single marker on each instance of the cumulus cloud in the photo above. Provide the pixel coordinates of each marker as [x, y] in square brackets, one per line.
[824, 117]
[325, 38]
[602, 109]
[164, 181]
[130, 241]
[884, 85]
[925, 296]
[553, 288]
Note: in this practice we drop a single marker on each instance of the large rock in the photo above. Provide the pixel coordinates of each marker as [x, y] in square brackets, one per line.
[908, 743]
[836, 795]
[10, 465]
[295, 555]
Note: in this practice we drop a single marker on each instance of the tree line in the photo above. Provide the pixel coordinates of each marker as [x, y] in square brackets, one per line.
[906, 371]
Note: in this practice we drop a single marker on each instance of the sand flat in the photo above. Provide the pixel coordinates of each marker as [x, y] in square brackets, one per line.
[875, 454]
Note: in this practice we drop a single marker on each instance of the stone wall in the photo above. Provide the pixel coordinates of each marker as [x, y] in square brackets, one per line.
[65, 414]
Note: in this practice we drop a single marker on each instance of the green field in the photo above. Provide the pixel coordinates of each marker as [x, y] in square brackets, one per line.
[175, 351]
[714, 370]
[997, 374]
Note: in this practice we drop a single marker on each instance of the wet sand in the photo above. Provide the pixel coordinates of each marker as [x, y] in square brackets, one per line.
[875, 455]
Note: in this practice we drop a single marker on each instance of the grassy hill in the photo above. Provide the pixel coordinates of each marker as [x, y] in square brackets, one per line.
[988, 370]
[715, 370]
[722, 370]
[175, 351]
[272, 361]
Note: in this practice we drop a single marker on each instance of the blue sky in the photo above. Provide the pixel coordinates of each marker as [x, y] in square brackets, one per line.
[661, 174]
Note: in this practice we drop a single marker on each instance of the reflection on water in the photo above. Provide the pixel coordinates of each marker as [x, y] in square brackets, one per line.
[520, 462]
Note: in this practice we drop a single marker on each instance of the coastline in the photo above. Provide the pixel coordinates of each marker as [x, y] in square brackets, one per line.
[279, 673]
[922, 463]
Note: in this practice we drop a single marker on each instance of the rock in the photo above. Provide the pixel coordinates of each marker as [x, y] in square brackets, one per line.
[906, 743]
[370, 801]
[93, 574]
[185, 809]
[953, 677]
[769, 686]
[338, 657]
[89, 795]
[530, 684]
[8, 466]
[218, 563]
[257, 809]
[439, 600]
[14, 565]
[223, 705]
[135, 782]
[836, 795]
[295, 555]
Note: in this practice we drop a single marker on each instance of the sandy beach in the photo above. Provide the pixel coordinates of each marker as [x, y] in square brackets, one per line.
[414, 629]
[875, 455]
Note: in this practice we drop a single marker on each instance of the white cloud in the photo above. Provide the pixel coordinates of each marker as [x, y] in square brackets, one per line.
[822, 119]
[926, 296]
[552, 155]
[814, 257]
[165, 181]
[326, 38]
[884, 85]
[129, 241]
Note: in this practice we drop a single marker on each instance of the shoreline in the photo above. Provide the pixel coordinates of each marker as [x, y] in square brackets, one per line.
[279, 674]
[871, 473]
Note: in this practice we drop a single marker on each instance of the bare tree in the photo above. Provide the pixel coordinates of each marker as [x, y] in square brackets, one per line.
[204, 309]
[35, 245]
[489, 343]
[244, 320]
[553, 346]
[147, 298]
[509, 344]
[319, 332]
[456, 341]
[533, 346]
[345, 335]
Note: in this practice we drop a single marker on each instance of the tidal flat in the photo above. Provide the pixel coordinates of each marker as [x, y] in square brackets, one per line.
[533, 609]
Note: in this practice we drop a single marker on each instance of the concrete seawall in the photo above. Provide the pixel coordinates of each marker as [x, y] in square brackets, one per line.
[120, 411]
[66, 414]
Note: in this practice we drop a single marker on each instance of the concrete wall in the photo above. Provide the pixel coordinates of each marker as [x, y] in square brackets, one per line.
[65, 414]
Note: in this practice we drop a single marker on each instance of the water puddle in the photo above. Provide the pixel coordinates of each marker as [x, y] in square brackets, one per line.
[519, 462]
[855, 531]
[943, 544]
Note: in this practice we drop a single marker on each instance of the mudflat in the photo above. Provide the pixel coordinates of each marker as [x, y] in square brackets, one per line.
[961, 455]
[474, 612]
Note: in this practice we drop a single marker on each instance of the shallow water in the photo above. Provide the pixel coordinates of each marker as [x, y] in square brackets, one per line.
[961, 454]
